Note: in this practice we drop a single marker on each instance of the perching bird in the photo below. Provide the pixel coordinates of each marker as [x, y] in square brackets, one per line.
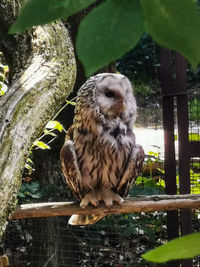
[100, 159]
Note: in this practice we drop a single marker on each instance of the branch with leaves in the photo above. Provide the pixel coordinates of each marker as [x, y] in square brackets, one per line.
[49, 130]
[114, 27]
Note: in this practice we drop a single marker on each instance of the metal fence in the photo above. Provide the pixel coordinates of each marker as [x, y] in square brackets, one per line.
[119, 240]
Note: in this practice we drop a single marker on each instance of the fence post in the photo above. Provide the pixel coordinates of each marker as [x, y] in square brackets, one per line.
[183, 140]
[169, 151]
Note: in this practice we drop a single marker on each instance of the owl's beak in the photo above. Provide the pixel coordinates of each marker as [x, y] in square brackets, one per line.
[123, 106]
[120, 106]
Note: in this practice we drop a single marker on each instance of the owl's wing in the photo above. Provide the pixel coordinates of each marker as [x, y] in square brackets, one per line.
[73, 177]
[70, 165]
[133, 168]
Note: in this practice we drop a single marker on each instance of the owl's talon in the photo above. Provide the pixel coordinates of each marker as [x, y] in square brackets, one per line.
[84, 203]
[109, 197]
[94, 203]
[118, 199]
[89, 198]
[108, 202]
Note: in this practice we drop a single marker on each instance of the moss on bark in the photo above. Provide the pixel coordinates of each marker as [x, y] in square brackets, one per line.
[39, 87]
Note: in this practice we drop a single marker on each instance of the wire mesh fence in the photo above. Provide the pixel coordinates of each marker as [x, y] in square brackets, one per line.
[194, 135]
[117, 240]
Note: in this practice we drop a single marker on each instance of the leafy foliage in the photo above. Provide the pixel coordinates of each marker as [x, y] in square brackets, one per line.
[190, 247]
[151, 159]
[147, 186]
[55, 125]
[114, 27]
[39, 12]
[166, 23]
[117, 20]
[40, 144]
[3, 79]
[29, 192]
[49, 130]
[194, 107]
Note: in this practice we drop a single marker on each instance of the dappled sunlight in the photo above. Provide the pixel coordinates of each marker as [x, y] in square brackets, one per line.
[150, 139]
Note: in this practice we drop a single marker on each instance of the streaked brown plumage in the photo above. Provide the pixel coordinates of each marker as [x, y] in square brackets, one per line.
[100, 159]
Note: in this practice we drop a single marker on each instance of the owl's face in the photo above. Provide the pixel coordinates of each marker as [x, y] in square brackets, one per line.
[114, 96]
[105, 100]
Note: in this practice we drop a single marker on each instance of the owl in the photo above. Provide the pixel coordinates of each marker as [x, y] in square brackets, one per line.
[100, 159]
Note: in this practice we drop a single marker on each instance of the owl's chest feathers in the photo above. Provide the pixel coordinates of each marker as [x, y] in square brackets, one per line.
[104, 137]
[102, 155]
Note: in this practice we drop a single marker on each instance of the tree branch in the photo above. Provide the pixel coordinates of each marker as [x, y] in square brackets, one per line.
[137, 204]
[45, 76]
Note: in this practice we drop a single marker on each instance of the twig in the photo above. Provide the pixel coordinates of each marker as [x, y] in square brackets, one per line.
[137, 204]
[52, 256]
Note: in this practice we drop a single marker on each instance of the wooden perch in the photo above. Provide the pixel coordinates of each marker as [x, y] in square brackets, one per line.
[137, 204]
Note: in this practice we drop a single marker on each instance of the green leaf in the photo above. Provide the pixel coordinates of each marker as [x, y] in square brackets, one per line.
[54, 125]
[46, 132]
[71, 102]
[35, 186]
[3, 88]
[6, 68]
[39, 12]
[181, 248]
[160, 170]
[28, 167]
[22, 188]
[108, 32]
[41, 145]
[30, 161]
[28, 187]
[2, 66]
[175, 25]
[20, 194]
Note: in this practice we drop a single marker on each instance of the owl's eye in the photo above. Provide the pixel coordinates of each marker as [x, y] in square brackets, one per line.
[110, 94]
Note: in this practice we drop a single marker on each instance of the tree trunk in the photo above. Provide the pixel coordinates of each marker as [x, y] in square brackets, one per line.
[56, 242]
[43, 72]
[48, 173]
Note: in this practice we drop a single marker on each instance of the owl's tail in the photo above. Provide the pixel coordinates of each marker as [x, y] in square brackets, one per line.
[84, 219]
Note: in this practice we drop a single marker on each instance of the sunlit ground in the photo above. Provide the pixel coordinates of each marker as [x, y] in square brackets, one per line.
[150, 139]
[153, 139]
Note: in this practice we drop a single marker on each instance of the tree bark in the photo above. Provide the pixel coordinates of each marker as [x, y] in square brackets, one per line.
[43, 72]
